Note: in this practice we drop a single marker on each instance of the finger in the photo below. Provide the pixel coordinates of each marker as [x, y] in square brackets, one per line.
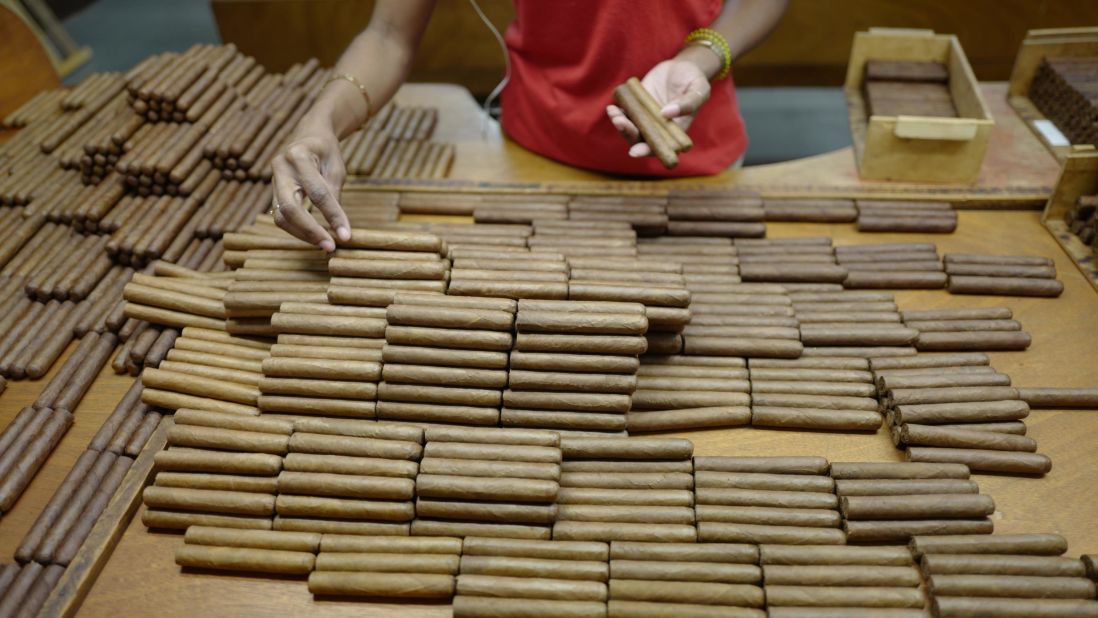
[622, 123]
[319, 191]
[639, 150]
[289, 212]
[334, 173]
[687, 104]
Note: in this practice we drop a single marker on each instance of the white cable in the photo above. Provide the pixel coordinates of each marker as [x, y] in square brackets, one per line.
[506, 63]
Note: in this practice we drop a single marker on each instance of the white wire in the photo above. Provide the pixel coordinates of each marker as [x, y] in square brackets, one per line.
[506, 63]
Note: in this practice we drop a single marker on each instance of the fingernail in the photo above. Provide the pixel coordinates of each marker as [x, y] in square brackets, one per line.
[327, 245]
[671, 109]
[634, 152]
[343, 233]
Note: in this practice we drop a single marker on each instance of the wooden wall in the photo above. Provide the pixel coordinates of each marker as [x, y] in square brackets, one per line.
[809, 48]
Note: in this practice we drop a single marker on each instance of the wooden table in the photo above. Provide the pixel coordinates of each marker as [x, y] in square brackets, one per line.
[142, 579]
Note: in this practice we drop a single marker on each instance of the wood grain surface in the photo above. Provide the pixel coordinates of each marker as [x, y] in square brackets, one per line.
[142, 579]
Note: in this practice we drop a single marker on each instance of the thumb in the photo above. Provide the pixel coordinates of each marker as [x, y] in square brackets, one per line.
[688, 103]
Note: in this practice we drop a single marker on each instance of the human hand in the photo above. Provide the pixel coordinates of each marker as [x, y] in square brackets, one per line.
[310, 165]
[679, 85]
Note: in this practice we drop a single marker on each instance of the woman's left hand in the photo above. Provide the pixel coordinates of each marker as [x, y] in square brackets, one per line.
[679, 85]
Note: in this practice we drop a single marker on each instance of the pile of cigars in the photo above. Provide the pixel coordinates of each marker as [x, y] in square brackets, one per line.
[907, 88]
[1082, 220]
[1063, 90]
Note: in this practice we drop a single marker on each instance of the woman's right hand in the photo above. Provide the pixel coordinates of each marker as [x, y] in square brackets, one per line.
[310, 166]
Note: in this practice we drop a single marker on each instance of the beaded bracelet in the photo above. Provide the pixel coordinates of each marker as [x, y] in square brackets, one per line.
[715, 42]
[357, 84]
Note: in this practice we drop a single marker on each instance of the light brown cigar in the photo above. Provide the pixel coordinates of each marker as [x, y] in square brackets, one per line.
[1018, 260]
[318, 388]
[643, 449]
[809, 272]
[616, 465]
[964, 325]
[685, 571]
[1023, 544]
[742, 346]
[588, 382]
[929, 264]
[168, 317]
[496, 436]
[388, 562]
[1004, 286]
[448, 338]
[648, 609]
[841, 575]
[505, 513]
[844, 596]
[416, 393]
[882, 470]
[341, 508]
[445, 376]
[1017, 428]
[228, 482]
[20, 587]
[904, 487]
[973, 412]
[321, 340]
[925, 506]
[956, 394]
[190, 460]
[388, 269]
[868, 279]
[942, 379]
[303, 441]
[345, 486]
[582, 402]
[209, 500]
[389, 585]
[977, 340]
[392, 240]
[328, 325]
[508, 289]
[1048, 397]
[763, 481]
[926, 435]
[769, 498]
[483, 488]
[325, 352]
[664, 343]
[496, 469]
[935, 371]
[573, 362]
[41, 544]
[825, 402]
[334, 543]
[340, 526]
[1013, 608]
[688, 418]
[506, 275]
[828, 334]
[349, 408]
[808, 374]
[628, 480]
[702, 593]
[984, 460]
[220, 348]
[438, 413]
[816, 518]
[321, 370]
[353, 465]
[834, 555]
[695, 361]
[175, 301]
[646, 371]
[608, 497]
[213, 360]
[659, 296]
[198, 386]
[1014, 586]
[580, 323]
[685, 552]
[986, 313]
[652, 129]
[430, 316]
[220, 438]
[773, 465]
[181, 520]
[980, 564]
[679, 140]
[503, 263]
[524, 548]
[918, 222]
[627, 513]
[512, 589]
[902, 530]
[253, 539]
[563, 420]
[839, 389]
[468, 606]
[514, 566]
[726, 532]
[411, 355]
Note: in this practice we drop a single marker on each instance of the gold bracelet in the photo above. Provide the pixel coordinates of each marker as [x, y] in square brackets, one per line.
[715, 42]
[357, 84]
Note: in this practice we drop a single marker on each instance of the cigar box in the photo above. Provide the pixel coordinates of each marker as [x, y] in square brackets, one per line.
[1078, 176]
[917, 148]
[1038, 45]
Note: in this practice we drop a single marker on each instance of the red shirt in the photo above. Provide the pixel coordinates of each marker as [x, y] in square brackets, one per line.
[568, 55]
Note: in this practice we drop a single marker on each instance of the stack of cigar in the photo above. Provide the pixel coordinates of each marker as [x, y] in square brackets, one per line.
[690, 392]
[852, 323]
[70, 152]
[958, 330]
[18, 228]
[907, 87]
[505, 237]
[72, 128]
[1005, 574]
[909, 217]
[44, 105]
[396, 143]
[242, 142]
[578, 239]
[71, 267]
[92, 205]
[174, 86]
[1002, 275]
[573, 365]
[155, 160]
[1082, 220]
[705, 261]
[348, 477]
[498, 272]
[101, 301]
[892, 266]
[147, 227]
[27, 441]
[832, 393]
[207, 354]
[220, 469]
[841, 580]
[275, 552]
[317, 386]
[98, 152]
[789, 260]
[488, 482]
[177, 302]
[534, 209]
[509, 577]
[810, 210]
[368, 208]
[439, 203]
[682, 579]
[57, 200]
[732, 215]
[406, 568]
[374, 265]
[634, 489]
[666, 138]
[25, 588]
[895, 501]
[34, 334]
[231, 206]
[68, 385]
[1059, 398]
[270, 278]
[749, 319]
[647, 215]
[1063, 90]
[785, 500]
[445, 359]
[173, 387]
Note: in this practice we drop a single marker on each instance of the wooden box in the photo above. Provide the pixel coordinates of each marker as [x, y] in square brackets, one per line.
[1079, 176]
[1055, 42]
[917, 148]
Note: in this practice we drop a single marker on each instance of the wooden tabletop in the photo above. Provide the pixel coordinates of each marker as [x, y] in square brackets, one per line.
[142, 579]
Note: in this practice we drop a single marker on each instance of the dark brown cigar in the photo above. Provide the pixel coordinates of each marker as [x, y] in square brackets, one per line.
[903, 487]
[1048, 397]
[1004, 286]
[972, 412]
[927, 435]
[881, 470]
[925, 506]
[82, 527]
[767, 498]
[1020, 260]
[977, 340]
[688, 418]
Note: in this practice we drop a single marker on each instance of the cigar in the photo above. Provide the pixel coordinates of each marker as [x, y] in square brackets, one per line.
[688, 418]
[1014, 586]
[82, 527]
[222, 349]
[977, 340]
[891, 531]
[522, 548]
[926, 435]
[476, 319]
[983, 460]
[972, 412]
[652, 128]
[341, 508]
[387, 585]
[28, 458]
[943, 378]
[340, 526]
[63, 507]
[329, 353]
[181, 520]
[957, 394]
[220, 438]
[828, 402]
[1022, 544]
[979, 564]
[868, 279]
[513, 589]
[333, 543]
[250, 559]
[882, 470]
[925, 506]
[655, 370]
[487, 511]
[321, 370]
[742, 346]
[1047, 397]
[429, 527]
[213, 360]
[499, 436]
[388, 562]
[1001, 270]
[572, 362]
[1017, 260]
[217, 462]
[349, 408]
[766, 498]
[440, 413]
[482, 488]
[828, 334]
[1044, 608]
[228, 482]
[902, 487]
[728, 532]
[628, 514]
[699, 593]
[494, 469]
[448, 338]
[198, 387]
[1089, 562]
[446, 376]
[209, 500]
[824, 555]
[1004, 286]
[322, 444]
[318, 388]
[844, 596]
[764, 481]
[842, 575]
[984, 313]
[685, 571]
[817, 518]
[815, 418]
[345, 486]
[840, 389]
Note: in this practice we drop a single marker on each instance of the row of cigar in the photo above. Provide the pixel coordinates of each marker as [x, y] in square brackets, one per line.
[396, 143]
[1063, 90]
[907, 87]
[1082, 220]
[665, 137]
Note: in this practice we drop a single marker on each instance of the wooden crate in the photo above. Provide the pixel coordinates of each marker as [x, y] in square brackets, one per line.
[1061, 42]
[1079, 176]
[917, 148]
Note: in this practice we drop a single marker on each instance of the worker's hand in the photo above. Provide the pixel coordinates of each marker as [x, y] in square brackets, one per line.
[310, 166]
[679, 86]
